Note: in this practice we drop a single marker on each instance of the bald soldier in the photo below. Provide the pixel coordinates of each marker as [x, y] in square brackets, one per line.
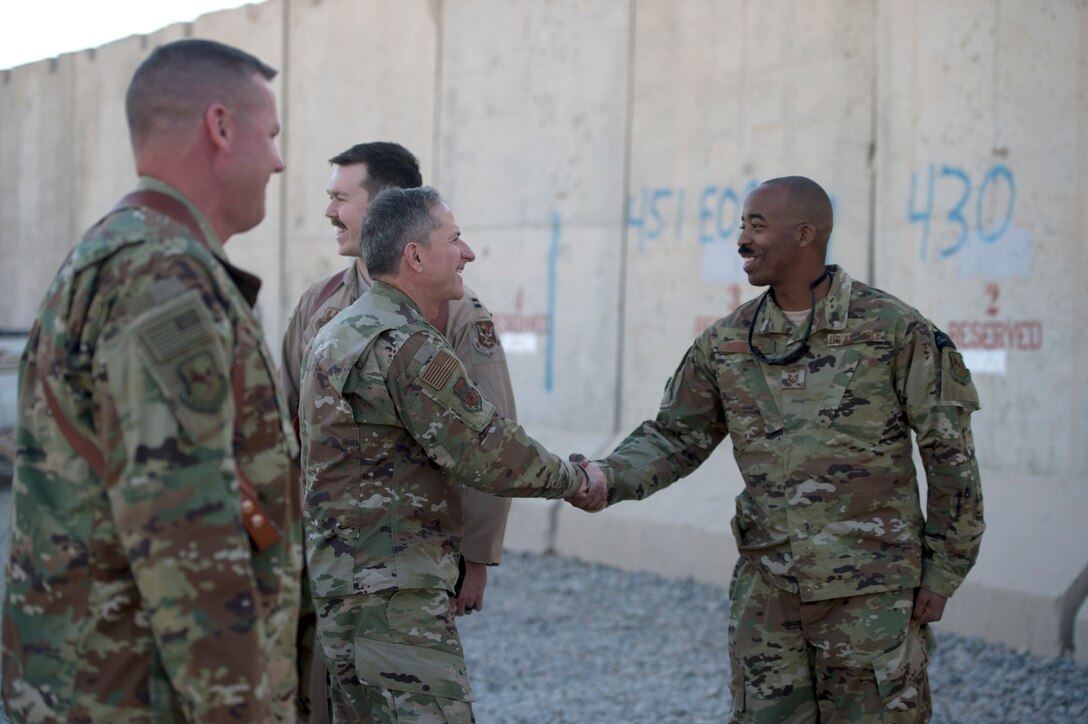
[818, 384]
[155, 550]
[392, 428]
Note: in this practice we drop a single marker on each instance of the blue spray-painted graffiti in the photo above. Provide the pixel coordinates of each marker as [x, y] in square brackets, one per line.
[549, 347]
[998, 186]
[718, 211]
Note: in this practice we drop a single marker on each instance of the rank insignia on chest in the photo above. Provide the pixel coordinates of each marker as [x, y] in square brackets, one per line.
[486, 339]
[468, 395]
[205, 387]
[793, 378]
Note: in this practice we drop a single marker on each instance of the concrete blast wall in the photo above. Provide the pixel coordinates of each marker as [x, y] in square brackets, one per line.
[596, 154]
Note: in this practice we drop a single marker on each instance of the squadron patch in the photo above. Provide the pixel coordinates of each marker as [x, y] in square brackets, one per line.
[957, 370]
[485, 339]
[203, 387]
[468, 395]
[439, 369]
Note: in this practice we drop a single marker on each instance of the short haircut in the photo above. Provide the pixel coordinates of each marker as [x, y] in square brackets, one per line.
[179, 80]
[395, 218]
[806, 197]
[388, 165]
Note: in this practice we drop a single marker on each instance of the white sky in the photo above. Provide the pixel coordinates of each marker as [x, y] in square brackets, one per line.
[31, 30]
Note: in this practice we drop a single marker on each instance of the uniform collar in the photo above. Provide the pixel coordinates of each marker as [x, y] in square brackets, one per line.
[215, 245]
[831, 311]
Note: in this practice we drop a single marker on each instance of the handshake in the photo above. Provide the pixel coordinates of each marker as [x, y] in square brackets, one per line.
[593, 496]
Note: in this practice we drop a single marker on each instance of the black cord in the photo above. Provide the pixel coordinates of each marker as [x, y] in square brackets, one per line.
[797, 353]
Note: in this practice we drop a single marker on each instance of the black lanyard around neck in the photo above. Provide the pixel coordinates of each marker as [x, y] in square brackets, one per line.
[800, 350]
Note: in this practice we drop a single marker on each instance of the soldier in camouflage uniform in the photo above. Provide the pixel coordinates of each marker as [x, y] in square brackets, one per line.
[818, 384]
[155, 548]
[360, 173]
[392, 427]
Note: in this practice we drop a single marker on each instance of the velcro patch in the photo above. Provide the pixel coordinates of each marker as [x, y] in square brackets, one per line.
[957, 370]
[179, 332]
[734, 347]
[438, 370]
[203, 386]
[486, 339]
[468, 395]
[839, 339]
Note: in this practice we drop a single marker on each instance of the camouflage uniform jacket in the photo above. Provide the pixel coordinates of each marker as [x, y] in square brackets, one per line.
[471, 331]
[830, 506]
[137, 596]
[392, 426]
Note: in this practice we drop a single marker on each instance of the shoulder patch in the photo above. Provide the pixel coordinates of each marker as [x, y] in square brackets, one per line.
[467, 395]
[438, 370]
[485, 339]
[203, 386]
[957, 370]
[179, 331]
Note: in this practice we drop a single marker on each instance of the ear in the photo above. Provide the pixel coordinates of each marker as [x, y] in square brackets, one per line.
[412, 257]
[219, 125]
[806, 234]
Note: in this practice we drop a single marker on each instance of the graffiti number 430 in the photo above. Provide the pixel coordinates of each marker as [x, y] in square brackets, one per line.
[956, 187]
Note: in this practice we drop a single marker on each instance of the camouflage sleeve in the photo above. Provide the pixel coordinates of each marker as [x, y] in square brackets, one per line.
[471, 331]
[687, 429]
[940, 398]
[165, 372]
[291, 359]
[443, 410]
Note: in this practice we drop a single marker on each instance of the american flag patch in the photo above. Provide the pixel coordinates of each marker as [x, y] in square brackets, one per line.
[438, 370]
[167, 338]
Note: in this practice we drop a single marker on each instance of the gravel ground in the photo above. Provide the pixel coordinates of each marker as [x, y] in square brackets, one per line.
[563, 641]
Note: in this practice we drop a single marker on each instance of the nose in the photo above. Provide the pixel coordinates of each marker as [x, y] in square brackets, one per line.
[330, 210]
[466, 252]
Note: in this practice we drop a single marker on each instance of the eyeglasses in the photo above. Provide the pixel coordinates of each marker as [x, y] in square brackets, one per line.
[799, 351]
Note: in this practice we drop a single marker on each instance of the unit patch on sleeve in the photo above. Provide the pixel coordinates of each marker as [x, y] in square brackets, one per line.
[203, 386]
[957, 370]
[485, 339]
[468, 395]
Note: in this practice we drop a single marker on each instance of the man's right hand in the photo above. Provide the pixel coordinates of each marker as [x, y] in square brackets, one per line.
[594, 495]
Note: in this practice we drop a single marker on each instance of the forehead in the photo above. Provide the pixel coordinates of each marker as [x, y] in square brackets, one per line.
[347, 178]
[766, 200]
[265, 97]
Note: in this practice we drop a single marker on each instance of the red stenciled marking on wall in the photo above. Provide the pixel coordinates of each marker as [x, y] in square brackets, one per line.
[518, 322]
[1024, 334]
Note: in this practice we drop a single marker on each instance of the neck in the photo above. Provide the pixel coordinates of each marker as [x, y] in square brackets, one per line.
[428, 307]
[360, 264]
[797, 296]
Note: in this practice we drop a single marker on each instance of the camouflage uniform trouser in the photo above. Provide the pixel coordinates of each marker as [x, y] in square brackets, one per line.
[854, 659]
[394, 657]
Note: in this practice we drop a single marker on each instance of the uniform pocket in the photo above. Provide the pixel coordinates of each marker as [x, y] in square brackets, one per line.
[750, 410]
[901, 672]
[420, 652]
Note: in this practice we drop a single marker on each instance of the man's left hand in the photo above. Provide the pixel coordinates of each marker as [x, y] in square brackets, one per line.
[928, 607]
[472, 589]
